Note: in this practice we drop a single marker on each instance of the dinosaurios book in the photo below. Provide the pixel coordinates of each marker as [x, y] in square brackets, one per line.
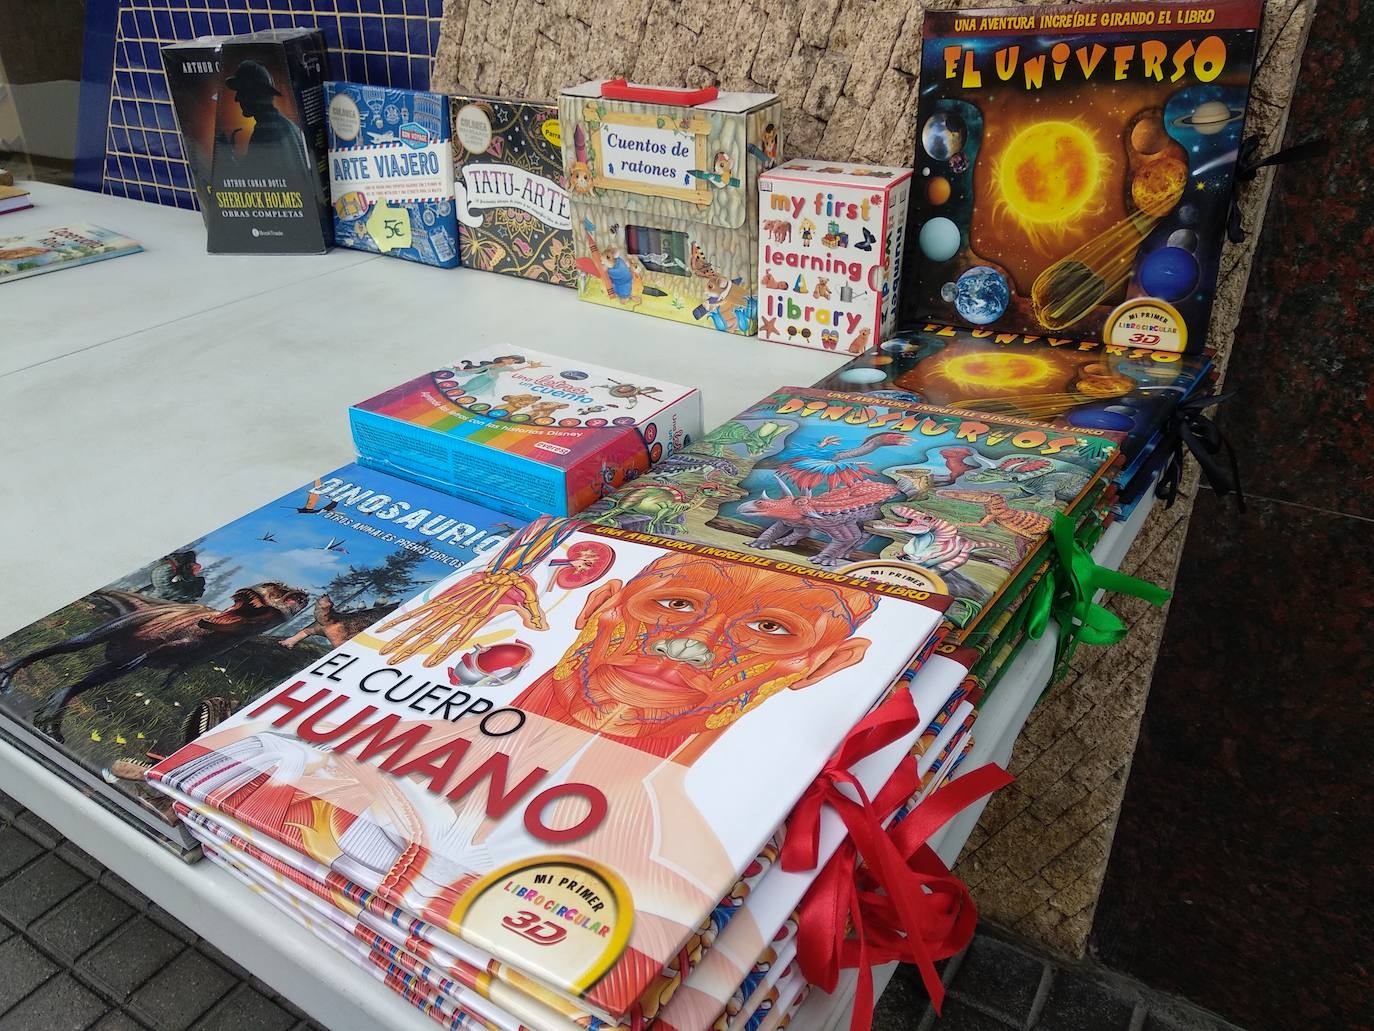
[1075, 167]
[579, 819]
[934, 498]
[104, 686]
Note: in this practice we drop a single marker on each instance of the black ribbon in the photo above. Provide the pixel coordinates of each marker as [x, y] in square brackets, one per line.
[1190, 427]
[1248, 166]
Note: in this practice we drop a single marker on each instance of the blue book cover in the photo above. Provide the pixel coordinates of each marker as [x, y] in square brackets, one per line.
[391, 172]
[104, 686]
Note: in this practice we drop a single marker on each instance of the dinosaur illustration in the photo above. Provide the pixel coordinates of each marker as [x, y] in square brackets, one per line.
[1018, 521]
[149, 632]
[931, 542]
[338, 627]
[755, 440]
[839, 515]
[819, 465]
[661, 507]
[1025, 476]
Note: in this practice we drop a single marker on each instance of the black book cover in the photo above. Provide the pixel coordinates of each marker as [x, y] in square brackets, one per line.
[270, 170]
[193, 78]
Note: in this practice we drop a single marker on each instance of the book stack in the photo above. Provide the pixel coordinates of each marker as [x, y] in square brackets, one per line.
[105, 686]
[575, 782]
[1056, 381]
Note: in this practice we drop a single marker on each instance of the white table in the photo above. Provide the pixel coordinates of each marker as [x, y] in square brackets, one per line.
[147, 399]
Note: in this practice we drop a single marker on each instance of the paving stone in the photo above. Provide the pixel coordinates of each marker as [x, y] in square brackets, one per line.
[117, 1021]
[999, 977]
[215, 956]
[182, 991]
[170, 924]
[1077, 1003]
[83, 861]
[61, 1004]
[124, 890]
[960, 1016]
[129, 958]
[83, 920]
[42, 885]
[38, 829]
[15, 850]
[9, 807]
[246, 1007]
[24, 967]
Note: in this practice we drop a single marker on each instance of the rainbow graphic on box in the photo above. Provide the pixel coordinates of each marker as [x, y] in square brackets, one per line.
[524, 432]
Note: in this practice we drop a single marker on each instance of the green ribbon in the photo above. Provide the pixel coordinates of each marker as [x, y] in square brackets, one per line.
[1065, 594]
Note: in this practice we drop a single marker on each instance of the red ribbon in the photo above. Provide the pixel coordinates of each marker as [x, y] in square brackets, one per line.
[905, 904]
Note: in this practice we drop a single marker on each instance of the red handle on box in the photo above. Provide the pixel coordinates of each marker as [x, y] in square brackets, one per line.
[620, 89]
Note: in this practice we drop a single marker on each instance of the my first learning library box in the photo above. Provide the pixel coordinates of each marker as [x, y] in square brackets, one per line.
[523, 432]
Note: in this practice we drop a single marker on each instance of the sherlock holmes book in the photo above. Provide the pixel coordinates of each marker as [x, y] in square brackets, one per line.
[1074, 167]
[269, 174]
[567, 753]
[134, 670]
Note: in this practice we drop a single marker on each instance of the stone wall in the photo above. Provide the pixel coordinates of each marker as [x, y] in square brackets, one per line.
[846, 70]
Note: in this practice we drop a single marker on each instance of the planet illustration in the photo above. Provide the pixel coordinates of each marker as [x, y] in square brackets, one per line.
[938, 190]
[939, 239]
[1157, 186]
[981, 295]
[1148, 136]
[862, 376]
[1209, 118]
[1169, 273]
[1188, 214]
[1185, 238]
[943, 135]
[1100, 419]
[947, 292]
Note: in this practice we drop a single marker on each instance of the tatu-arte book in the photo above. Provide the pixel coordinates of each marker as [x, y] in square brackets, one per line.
[934, 498]
[512, 190]
[48, 250]
[104, 686]
[391, 172]
[566, 754]
[1075, 166]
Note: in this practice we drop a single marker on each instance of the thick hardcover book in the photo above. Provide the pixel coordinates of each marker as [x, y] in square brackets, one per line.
[1056, 381]
[938, 499]
[391, 172]
[47, 250]
[268, 172]
[1075, 167]
[508, 164]
[528, 433]
[193, 80]
[131, 672]
[566, 754]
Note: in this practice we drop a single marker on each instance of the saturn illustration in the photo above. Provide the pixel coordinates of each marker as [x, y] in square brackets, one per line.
[1209, 118]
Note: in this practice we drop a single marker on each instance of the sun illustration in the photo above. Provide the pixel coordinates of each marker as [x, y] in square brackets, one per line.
[1051, 173]
[997, 373]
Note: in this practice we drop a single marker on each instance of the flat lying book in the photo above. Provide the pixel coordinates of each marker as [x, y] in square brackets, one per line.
[936, 499]
[47, 250]
[1055, 381]
[13, 198]
[104, 686]
[566, 754]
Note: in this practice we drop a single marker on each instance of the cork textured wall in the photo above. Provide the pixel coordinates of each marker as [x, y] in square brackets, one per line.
[847, 74]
